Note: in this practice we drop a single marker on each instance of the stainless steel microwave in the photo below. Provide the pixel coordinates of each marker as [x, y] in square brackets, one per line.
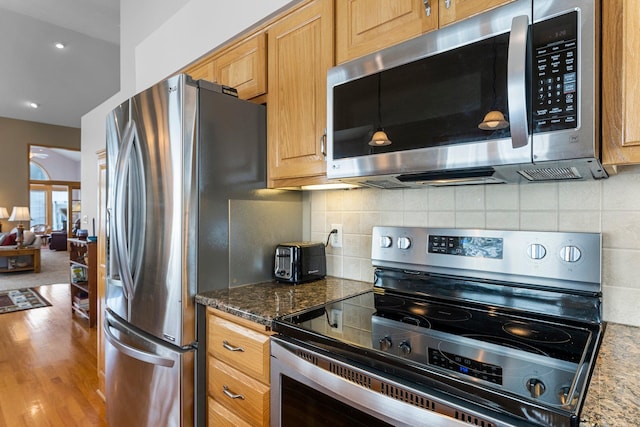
[510, 95]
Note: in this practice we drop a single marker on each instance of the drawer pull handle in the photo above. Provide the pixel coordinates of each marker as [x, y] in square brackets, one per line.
[229, 347]
[231, 395]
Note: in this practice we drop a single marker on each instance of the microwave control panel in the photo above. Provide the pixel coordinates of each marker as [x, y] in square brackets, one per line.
[555, 49]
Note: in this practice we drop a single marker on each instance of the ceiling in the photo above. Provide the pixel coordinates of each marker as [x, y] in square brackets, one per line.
[65, 83]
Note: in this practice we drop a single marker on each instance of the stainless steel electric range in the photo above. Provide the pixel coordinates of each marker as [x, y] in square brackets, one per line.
[462, 327]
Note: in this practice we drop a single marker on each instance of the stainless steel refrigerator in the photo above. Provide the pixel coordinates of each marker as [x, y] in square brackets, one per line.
[186, 168]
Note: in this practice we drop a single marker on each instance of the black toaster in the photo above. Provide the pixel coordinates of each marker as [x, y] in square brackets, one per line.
[298, 262]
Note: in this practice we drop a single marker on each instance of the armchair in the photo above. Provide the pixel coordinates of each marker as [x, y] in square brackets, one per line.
[58, 240]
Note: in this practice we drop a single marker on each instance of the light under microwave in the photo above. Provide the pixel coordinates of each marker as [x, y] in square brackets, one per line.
[510, 95]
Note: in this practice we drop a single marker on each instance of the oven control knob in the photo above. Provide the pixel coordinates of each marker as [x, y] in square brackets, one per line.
[536, 251]
[385, 343]
[404, 243]
[570, 253]
[536, 387]
[405, 348]
[385, 241]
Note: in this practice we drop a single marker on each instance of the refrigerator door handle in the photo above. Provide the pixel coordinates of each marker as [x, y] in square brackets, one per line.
[123, 167]
[132, 351]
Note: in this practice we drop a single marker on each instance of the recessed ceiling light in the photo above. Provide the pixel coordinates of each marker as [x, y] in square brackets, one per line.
[33, 105]
[60, 45]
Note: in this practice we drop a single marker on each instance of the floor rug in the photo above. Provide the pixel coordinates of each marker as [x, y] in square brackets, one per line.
[21, 299]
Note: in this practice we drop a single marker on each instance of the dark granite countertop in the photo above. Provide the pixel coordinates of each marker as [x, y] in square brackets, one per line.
[614, 393]
[263, 302]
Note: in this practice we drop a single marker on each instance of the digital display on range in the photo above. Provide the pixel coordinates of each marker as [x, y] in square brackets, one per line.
[453, 362]
[483, 247]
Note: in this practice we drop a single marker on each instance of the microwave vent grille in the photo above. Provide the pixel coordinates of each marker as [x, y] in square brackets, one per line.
[550, 174]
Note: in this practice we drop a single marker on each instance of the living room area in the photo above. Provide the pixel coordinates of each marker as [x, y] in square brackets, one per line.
[47, 351]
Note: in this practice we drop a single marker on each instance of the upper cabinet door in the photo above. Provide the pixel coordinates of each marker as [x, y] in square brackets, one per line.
[455, 10]
[366, 26]
[300, 54]
[201, 71]
[244, 67]
[620, 83]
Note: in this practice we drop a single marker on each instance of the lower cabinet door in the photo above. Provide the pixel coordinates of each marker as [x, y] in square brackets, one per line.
[241, 394]
[219, 416]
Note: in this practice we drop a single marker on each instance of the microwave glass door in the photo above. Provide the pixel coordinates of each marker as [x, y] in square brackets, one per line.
[435, 101]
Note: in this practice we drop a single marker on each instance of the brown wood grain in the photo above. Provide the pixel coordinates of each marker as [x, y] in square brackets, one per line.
[48, 366]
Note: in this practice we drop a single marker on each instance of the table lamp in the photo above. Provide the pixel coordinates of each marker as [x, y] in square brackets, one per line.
[3, 215]
[20, 213]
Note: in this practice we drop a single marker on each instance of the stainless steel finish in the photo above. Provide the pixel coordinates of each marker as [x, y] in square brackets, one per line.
[521, 158]
[370, 392]
[536, 387]
[385, 343]
[251, 239]
[517, 365]
[148, 378]
[517, 81]
[516, 265]
[178, 154]
[585, 140]
[150, 246]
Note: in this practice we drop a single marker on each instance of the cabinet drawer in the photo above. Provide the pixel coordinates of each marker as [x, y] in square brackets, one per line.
[218, 416]
[238, 392]
[243, 348]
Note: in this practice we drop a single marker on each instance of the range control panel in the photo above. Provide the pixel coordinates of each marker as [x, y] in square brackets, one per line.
[464, 365]
[536, 255]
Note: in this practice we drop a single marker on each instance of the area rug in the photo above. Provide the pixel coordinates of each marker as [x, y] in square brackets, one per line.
[21, 299]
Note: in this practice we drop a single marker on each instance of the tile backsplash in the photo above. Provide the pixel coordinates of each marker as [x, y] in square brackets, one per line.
[610, 207]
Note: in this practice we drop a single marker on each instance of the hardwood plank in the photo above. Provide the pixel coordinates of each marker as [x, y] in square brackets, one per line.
[48, 366]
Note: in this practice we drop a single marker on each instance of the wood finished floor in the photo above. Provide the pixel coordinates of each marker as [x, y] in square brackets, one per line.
[48, 368]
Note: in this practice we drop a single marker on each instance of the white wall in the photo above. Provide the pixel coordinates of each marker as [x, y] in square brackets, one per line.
[610, 207]
[157, 38]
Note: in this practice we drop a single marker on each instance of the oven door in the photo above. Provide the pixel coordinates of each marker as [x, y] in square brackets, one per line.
[309, 387]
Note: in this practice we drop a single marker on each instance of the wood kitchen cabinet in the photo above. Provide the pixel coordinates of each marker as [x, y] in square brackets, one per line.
[242, 65]
[450, 11]
[300, 54]
[620, 84]
[366, 26]
[238, 382]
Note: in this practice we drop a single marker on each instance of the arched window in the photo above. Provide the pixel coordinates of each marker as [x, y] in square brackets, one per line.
[37, 172]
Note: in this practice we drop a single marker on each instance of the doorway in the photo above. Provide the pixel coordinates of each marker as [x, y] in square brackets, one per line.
[54, 188]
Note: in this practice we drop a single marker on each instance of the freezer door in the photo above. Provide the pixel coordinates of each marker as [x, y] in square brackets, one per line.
[152, 208]
[148, 383]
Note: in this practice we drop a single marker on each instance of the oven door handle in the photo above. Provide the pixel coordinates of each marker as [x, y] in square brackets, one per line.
[517, 81]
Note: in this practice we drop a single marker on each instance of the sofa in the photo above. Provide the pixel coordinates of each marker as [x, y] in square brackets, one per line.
[8, 241]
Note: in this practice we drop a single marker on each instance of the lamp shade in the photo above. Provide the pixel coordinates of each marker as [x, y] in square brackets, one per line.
[3, 213]
[20, 213]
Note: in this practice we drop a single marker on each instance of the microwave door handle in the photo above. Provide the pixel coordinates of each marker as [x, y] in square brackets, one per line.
[517, 81]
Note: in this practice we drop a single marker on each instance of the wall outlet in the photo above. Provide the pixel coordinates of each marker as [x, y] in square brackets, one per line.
[336, 320]
[336, 238]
